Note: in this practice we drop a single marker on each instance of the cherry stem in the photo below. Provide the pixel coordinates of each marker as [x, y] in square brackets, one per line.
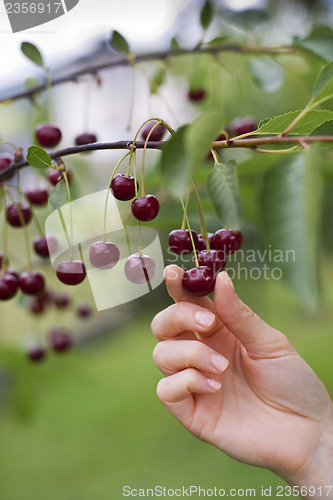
[135, 175]
[216, 157]
[48, 88]
[108, 192]
[128, 240]
[140, 238]
[25, 230]
[144, 156]
[191, 236]
[64, 175]
[130, 118]
[169, 129]
[5, 240]
[202, 217]
[186, 207]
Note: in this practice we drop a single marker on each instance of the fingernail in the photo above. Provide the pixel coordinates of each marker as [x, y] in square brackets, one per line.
[166, 273]
[204, 318]
[214, 384]
[219, 362]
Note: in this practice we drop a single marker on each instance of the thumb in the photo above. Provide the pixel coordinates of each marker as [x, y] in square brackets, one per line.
[259, 339]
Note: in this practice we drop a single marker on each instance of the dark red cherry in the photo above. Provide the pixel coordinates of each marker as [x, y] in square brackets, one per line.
[199, 281]
[84, 311]
[179, 241]
[15, 212]
[104, 254]
[5, 161]
[244, 125]
[71, 272]
[228, 240]
[8, 286]
[61, 300]
[156, 135]
[197, 95]
[140, 269]
[37, 306]
[201, 244]
[47, 135]
[215, 259]
[44, 245]
[14, 273]
[60, 340]
[32, 283]
[123, 188]
[145, 208]
[36, 354]
[85, 138]
[38, 196]
[55, 176]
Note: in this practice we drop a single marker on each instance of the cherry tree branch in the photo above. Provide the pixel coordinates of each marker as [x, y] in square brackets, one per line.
[162, 55]
[251, 143]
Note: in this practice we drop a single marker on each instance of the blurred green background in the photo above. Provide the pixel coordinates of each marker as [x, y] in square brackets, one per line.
[83, 425]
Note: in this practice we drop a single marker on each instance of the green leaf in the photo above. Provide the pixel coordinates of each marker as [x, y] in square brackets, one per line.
[158, 80]
[37, 157]
[175, 165]
[324, 129]
[174, 44]
[290, 207]
[119, 43]
[200, 135]
[323, 88]
[267, 74]
[206, 14]
[319, 42]
[306, 125]
[58, 196]
[224, 192]
[216, 42]
[257, 165]
[31, 52]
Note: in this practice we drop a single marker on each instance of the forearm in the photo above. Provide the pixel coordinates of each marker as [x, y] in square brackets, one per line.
[315, 480]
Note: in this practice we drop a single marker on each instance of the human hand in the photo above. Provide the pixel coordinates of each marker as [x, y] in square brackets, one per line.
[272, 410]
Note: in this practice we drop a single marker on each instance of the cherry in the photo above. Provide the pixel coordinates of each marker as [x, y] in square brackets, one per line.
[36, 354]
[71, 272]
[123, 188]
[5, 162]
[45, 245]
[84, 311]
[60, 340]
[32, 283]
[228, 240]
[62, 300]
[244, 125]
[15, 211]
[201, 244]
[14, 273]
[215, 259]
[104, 254]
[48, 135]
[85, 138]
[156, 135]
[37, 306]
[55, 176]
[140, 269]
[145, 208]
[196, 95]
[199, 281]
[38, 196]
[8, 286]
[179, 241]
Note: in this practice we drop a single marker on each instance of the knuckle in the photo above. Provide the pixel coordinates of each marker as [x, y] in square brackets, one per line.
[157, 353]
[196, 352]
[155, 324]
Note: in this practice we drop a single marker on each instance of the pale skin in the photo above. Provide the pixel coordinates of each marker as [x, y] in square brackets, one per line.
[241, 386]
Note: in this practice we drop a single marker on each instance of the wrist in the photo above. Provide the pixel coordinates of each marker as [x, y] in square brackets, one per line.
[317, 470]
